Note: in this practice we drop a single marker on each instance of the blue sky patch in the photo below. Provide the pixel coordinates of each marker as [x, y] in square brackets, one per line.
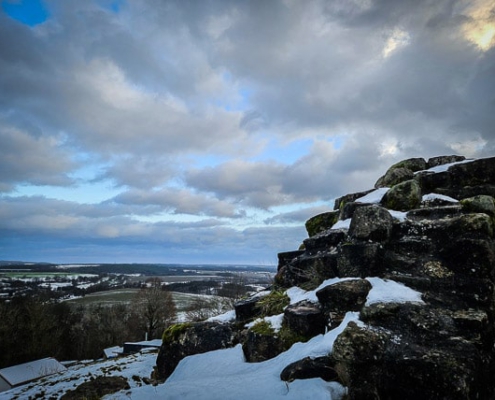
[29, 12]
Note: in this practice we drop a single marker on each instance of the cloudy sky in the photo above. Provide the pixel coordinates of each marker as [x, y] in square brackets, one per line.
[208, 131]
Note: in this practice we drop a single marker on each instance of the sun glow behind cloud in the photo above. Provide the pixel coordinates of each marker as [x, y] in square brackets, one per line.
[480, 27]
[397, 39]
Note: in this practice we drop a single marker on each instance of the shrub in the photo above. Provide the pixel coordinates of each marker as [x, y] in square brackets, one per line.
[274, 303]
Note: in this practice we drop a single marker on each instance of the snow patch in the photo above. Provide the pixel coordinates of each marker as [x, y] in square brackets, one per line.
[373, 197]
[445, 167]
[223, 318]
[400, 215]
[342, 224]
[436, 196]
[388, 291]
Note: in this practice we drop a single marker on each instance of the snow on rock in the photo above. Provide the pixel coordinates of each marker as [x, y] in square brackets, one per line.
[274, 320]
[400, 215]
[342, 224]
[373, 197]
[445, 167]
[223, 318]
[385, 291]
[436, 196]
[226, 374]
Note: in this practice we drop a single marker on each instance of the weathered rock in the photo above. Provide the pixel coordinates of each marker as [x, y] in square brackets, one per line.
[349, 209]
[360, 260]
[358, 353]
[440, 347]
[184, 340]
[305, 318]
[287, 256]
[344, 296]
[321, 222]
[371, 223]
[348, 198]
[435, 212]
[413, 164]
[246, 309]
[310, 270]
[324, 241]
[261, 346]
[441, 160]
[479, 204]
[394, 176]
[474, 173]
[308, 368]
[403, 197]
[462, 180]
[97, 388]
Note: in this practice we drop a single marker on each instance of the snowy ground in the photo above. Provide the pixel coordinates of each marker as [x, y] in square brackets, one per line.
[223, 373]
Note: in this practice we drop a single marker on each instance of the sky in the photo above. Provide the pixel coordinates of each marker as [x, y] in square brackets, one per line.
[210, 131]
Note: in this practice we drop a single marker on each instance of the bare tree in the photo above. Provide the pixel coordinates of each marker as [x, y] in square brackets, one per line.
[153, 309]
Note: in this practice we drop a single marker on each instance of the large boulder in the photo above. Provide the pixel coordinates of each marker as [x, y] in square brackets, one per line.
[344, 296]
[441, 160]
[321, 222]
[187, 339]
[261, 345]
[305, 318]
[394, 176]
[372, 223]
[479, 204]
[360, 260]
[348, 198]
[403, 197]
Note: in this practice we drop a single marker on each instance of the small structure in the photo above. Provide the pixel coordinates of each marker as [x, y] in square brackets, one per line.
[134, 347]
[21, 374]
[113, 352]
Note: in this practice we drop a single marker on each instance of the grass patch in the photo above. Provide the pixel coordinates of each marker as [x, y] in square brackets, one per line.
[263, 328]
[172, 333]
[274, 303]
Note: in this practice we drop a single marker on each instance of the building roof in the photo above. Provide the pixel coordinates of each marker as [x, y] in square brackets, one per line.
[113, 351]
[150, 343]
[30, 371]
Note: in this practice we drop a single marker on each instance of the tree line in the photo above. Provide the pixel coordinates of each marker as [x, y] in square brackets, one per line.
[32, 327]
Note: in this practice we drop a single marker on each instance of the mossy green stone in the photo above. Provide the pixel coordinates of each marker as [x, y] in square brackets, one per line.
[482, 203]
[173, 332]
[403, 196]
[321, 222]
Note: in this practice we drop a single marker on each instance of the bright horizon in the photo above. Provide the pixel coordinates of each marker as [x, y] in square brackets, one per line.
[209, 132]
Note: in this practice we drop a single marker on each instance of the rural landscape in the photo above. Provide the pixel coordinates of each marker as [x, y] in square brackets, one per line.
[75, 311]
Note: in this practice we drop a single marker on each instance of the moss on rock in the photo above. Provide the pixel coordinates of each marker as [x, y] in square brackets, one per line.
[172, 333]
[321, 222]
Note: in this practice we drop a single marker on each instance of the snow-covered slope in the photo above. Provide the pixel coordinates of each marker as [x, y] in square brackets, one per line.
[221, 374]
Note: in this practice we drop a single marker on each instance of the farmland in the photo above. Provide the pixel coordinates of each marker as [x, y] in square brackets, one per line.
[118, 283]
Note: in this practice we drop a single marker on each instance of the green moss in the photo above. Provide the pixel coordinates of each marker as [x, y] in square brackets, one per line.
[321, 222]
[172, 333]
[289, 337]
[274, 303]
[263, 328]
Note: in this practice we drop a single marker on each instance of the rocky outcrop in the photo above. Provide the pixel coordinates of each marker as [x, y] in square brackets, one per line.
[187, 339]
[440, 246]
[432, 232]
